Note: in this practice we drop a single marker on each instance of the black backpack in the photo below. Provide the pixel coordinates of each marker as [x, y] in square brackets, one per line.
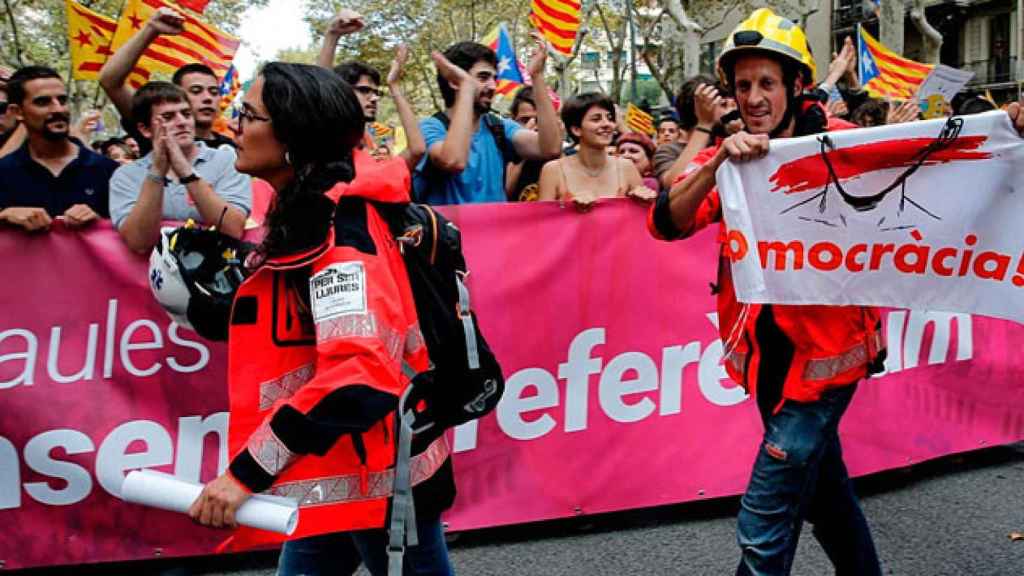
[464, 381]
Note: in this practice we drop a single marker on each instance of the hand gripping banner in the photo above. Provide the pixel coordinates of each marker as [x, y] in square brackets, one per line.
[922, 215]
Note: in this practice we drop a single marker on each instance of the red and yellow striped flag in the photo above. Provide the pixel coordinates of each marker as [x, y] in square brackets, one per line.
[89, 36]
[884, 73]
[558, 20]
[639, 121]
[200, 42]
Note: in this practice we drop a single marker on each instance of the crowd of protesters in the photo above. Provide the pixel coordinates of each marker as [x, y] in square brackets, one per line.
[465, 153]
[286, 168]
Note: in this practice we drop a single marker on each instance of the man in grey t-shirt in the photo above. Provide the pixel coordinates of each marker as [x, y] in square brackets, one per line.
[180, 179]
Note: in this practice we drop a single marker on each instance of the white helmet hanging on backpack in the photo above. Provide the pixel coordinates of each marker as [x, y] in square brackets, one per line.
[166, 281]
[194, 274]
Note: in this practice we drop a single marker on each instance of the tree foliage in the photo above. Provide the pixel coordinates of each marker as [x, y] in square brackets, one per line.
[35, 32]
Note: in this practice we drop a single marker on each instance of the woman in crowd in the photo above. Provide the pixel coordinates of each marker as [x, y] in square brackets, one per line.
[591, 173]
[639, 149]
[327, 318]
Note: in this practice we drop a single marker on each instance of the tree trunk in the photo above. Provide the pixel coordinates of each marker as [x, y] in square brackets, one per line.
[932, 37]
[14, 31]
[687, 33]
[890, 24]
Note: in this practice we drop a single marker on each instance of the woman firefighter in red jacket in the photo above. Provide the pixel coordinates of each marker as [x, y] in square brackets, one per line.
[317, 340]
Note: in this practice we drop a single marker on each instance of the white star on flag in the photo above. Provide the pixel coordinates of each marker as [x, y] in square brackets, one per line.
[503, 65]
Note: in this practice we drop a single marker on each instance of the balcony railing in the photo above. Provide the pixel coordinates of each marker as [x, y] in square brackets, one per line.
[993, 71]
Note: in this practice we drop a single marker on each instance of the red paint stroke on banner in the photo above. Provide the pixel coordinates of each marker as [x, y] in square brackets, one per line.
[810, 172]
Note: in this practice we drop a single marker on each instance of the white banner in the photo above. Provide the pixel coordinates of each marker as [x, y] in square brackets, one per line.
[925, 215]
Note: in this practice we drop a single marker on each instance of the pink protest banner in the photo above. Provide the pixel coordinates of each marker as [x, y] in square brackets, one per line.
[616, 398]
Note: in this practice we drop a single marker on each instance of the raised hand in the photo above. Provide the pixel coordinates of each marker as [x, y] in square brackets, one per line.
[539, 57]
[166, 21]
[842, 62]
[907, 111]
[346, 22]
[397, 65]
[161, 158]
[453, 74]
[706, 103]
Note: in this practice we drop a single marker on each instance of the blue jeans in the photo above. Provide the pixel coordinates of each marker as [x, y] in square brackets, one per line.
[341, 553]
[799, 475]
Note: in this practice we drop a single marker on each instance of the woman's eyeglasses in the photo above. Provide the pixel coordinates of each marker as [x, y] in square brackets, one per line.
[246, 115]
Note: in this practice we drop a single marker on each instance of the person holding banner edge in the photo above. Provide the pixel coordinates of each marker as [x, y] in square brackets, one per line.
[802, 363]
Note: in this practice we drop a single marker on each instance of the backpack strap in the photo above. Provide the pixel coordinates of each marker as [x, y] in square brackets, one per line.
[496, 125]
[466, 316]
[402, 529]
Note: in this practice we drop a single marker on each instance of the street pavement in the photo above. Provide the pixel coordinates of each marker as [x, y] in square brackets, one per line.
[951, 517]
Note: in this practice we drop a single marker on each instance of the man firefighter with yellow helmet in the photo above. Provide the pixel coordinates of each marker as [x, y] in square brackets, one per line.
[801, 362]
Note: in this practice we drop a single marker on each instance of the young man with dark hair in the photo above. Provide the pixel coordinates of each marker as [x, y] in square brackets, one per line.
[365, 80]
[668, 130]
[51, 175]
[205, 186]
[467, 146]
[198, 81]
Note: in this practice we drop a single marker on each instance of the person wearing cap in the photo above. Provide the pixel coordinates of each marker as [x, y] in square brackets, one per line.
[802, 363]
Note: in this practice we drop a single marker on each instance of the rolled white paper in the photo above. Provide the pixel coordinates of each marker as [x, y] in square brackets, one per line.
[166, 492]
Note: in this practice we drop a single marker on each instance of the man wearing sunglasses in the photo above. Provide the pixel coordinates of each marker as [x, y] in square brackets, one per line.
[180, 179]
[365, 80]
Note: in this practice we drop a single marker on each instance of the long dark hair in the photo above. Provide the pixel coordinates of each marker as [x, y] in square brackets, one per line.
[316, 115]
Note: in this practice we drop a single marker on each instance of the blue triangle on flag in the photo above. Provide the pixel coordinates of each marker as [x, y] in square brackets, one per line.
[865, 61]
[508, 68]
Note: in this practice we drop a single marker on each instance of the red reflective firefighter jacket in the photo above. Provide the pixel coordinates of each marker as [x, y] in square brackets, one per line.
[831, 345]
[316, 346]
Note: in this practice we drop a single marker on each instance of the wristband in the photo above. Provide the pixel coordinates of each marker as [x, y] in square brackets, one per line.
[188, 179]
[161, 180]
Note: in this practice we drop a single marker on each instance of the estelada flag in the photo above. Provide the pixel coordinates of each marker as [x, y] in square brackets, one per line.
[558, 20]
[884, 73]
[199, 43]
[89, 36]
[639, 121]
[510, 72]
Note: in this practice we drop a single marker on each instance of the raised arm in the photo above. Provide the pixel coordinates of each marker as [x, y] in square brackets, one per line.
[416, 146]
[119, 66]
[546, 142]
[706, 101]
[452, 154]
[345, 22]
